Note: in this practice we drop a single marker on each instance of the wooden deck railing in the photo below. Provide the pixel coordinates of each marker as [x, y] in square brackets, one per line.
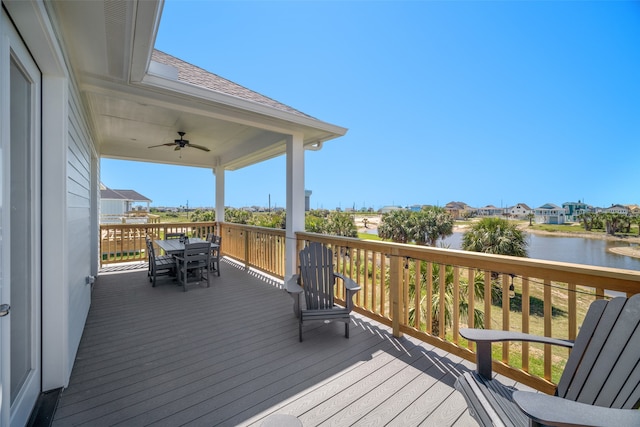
[126, 242]
[402, 287]
[257, 247]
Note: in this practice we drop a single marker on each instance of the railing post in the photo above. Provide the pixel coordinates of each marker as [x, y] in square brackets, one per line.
[397, 303]
[246, 250]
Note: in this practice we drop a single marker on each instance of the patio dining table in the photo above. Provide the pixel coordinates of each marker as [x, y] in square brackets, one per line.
[176, 246]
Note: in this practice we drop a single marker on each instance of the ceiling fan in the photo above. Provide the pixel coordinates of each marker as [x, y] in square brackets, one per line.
[181, 143]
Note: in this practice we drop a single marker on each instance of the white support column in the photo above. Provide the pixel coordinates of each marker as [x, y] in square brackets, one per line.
[219, 174]
[295, 200]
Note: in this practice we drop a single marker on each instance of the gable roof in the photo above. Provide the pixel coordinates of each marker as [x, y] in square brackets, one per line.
[137, 97]
[550, 206]
[456, 205]
[522, 205]
[189, 73]
[130, 195]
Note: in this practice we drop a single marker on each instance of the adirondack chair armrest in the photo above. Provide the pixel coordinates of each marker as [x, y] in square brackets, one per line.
[485, 337]
[349, 283]
[556, 411]
[295, 290]
[292, 285]
[351, 286]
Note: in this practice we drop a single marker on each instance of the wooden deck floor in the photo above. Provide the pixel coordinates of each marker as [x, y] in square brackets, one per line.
[229, 355]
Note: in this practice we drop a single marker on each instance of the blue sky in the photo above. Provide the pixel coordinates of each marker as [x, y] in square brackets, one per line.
[480, 102]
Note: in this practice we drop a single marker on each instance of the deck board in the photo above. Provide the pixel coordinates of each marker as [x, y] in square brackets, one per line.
[229, 355]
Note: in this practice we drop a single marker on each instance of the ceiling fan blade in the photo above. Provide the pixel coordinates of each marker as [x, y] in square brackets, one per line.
[177, 148]
[168, 144]
[199, 147]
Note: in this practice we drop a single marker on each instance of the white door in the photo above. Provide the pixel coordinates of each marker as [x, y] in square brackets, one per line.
[20, 241]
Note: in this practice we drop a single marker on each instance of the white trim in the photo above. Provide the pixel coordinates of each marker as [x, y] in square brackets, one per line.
[5, 327]
[146, 25]
[191, 90]
[181, 96]
[23, 402]
[32, 22]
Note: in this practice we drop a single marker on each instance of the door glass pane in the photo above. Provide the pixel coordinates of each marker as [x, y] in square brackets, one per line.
[21, 292]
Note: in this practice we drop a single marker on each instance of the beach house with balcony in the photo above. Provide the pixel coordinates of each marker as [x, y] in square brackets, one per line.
[82, 81]
[573, 210]
[490, 211]
[86, 83]
[549, 214]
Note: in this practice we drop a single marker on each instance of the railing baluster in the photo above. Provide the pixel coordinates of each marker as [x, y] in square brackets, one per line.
[456, 303]
[525, 322]
[548, 310]
[506, 303]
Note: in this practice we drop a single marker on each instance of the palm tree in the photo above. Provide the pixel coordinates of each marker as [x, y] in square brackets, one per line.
[341, 224]
[463, 306]
[393, 226]
[530, 217]
[495, 236]
[429, 225]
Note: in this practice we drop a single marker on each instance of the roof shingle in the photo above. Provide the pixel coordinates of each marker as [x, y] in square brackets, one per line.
[194, 75]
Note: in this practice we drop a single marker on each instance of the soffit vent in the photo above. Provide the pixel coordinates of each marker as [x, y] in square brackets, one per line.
[117, 19]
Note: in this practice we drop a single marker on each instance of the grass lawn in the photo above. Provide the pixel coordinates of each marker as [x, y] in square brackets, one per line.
[174, 216]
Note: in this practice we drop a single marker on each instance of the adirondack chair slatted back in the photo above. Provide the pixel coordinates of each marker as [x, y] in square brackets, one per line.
[316, 271]
[604, 366]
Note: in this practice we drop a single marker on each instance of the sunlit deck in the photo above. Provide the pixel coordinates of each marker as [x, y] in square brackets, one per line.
[229, 355]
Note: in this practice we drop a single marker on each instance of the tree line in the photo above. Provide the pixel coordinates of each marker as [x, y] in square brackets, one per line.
[610, 222]
[316, 221]
[427, 226]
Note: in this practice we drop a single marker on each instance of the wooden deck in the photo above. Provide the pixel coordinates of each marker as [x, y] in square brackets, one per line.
[229, 355]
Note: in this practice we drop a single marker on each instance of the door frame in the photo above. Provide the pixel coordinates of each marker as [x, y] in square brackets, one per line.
[12, 47]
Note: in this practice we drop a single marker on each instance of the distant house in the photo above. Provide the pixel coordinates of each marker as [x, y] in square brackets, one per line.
[458, 210]
[549, 214]
[519, 211]
[387, 209]
[619, 209]
[574, 209]
[490, 210]
[115, 204]
[633, 209]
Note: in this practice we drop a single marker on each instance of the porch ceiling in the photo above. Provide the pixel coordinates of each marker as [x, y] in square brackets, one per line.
[136, 101]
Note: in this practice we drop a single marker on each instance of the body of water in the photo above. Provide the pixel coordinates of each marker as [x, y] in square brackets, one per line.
[578, 250]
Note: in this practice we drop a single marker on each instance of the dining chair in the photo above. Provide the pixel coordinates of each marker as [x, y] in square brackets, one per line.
[214, 261]
[195, 257]
[158, 265]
